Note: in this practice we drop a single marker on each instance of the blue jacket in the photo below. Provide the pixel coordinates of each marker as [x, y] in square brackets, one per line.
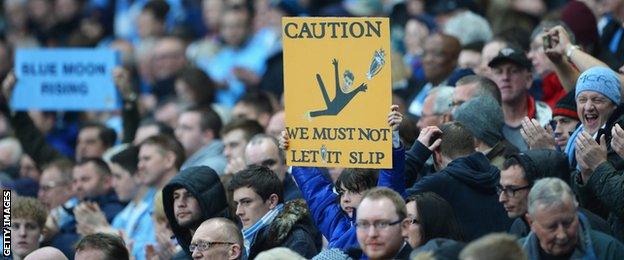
[335, 224]
[469, 185]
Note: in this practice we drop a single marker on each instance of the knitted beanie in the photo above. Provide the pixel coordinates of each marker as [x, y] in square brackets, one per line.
[483, 117]
[566, 106]
[602, 80]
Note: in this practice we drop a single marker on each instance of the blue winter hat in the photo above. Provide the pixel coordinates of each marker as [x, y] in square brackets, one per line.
[602, 80]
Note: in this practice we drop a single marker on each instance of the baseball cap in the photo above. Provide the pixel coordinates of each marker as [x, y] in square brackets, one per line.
[512, 55]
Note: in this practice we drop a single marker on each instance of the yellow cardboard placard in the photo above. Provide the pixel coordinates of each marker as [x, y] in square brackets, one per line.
[337, 91]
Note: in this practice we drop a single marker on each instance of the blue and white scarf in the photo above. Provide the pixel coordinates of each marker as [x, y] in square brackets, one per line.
[570, 148]
[249, 234]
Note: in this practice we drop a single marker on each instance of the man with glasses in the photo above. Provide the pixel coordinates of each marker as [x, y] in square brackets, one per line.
[520, 172]
[379, 224]
[267, 221]
[218, 239]
[264, 150]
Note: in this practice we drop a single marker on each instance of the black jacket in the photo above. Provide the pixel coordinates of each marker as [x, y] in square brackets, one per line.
[404, 253]
[293, 229]
[469, 185]
[204, 184]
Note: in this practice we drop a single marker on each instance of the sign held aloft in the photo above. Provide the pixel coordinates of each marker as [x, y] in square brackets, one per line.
[337, 91]
[65, 79]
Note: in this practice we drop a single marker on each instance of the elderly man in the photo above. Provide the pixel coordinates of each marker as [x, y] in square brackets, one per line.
[557, 230]
[436, 108]
[520, 173]
[380, 220]
[598, 107]
[219, 239]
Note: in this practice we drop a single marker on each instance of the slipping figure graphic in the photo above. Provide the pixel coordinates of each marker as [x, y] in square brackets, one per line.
[341, 98]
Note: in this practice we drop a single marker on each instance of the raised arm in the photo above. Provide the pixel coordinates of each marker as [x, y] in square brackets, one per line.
[32, 140]
[317, 190]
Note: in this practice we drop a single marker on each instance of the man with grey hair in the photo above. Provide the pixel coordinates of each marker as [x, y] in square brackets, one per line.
[264, 150]
[436, 108]
[474, 86]
[558, 230]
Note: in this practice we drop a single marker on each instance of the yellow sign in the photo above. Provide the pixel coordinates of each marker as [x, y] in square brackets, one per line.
[337, 91]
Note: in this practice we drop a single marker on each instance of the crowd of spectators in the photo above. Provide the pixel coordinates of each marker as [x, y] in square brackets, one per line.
[508, 139]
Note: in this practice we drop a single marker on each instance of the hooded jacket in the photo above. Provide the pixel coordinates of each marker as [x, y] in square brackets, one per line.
[204, 184]
[469, 185]
[292, 228]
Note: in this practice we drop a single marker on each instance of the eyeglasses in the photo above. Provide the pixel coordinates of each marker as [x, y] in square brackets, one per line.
[381, 224]
[509, 191]
[202, 245]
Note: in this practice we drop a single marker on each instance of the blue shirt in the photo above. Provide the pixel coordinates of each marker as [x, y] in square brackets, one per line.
[136, 221]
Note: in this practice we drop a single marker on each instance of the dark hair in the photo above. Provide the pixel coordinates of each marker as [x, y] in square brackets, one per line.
[107, 135]
[474, 46]
[127, 158]
[457, 141]
[259, 100]
[357, 180]
[168, 143]
[249, 127]
[485, 86]
[209, 119]
[100, 165]
[436, 217]
[113, 247]
[159, 8]
[260, 179]
[199, 83]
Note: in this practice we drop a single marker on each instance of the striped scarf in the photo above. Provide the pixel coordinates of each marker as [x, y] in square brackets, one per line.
[250, 234]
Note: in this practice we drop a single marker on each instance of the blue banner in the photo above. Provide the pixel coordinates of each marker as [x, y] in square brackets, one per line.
[65, 79]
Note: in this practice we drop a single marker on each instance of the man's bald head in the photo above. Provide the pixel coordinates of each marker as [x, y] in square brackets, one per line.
[46, 253]
[440, 59]
[222, 229]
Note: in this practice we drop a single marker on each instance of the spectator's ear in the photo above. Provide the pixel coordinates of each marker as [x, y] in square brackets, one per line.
[235, 252]
[273, 201]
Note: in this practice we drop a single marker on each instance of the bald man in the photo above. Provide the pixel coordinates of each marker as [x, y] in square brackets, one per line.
[219, 239]
[46, 253]
[439, 62]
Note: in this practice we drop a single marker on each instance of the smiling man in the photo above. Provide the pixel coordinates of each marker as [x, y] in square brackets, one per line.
[598, 108]
[558, 231]
[191, 197]
[257, 196]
